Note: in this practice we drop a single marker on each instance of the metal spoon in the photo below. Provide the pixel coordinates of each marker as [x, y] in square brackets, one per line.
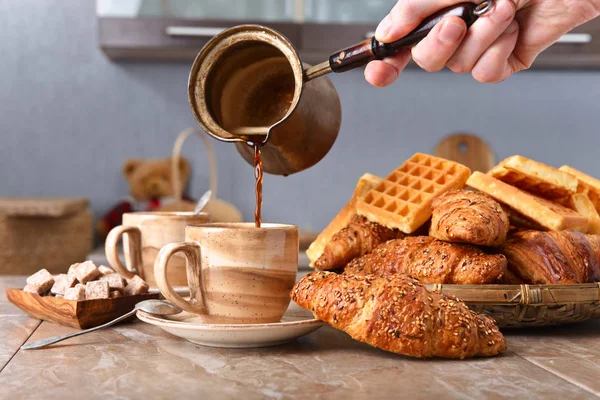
[156, 307]
[203, 202]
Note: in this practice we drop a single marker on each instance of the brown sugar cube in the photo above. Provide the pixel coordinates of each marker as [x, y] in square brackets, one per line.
[62, 282]
[136, 285]
[42, 281]
[115, 293]
[30, 289]
[115, 281]
[104, 270]
[97, 290]
[86, 271]
[75, 293]
[71, 271]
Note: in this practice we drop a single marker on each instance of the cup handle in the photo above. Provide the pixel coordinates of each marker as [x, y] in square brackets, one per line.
[135, 250]
[191, 250]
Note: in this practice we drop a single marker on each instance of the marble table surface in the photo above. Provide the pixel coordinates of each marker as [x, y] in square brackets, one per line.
[134, 360]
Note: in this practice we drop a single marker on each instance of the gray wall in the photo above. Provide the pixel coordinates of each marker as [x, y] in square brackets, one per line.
[69, 118]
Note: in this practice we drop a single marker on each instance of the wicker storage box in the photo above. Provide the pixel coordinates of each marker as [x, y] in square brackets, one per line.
[43, 233]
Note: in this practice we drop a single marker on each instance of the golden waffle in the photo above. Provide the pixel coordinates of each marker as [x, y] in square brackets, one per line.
[403, 199]
[587, 182]
[535, 177]
[544, 212]
[364, 185]
[581, 203]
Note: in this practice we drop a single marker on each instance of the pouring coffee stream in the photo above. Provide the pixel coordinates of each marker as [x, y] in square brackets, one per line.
[248, 86]
[256, 137]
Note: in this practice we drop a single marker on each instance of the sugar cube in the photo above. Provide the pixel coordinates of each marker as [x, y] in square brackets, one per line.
[136, 285]
[30, 289]
[115, 281]
[97, 290]
[75, 293]
[115, 293]
[86, 271]
[62, 282]
[104, 270]
[71, 271]
[42, 281]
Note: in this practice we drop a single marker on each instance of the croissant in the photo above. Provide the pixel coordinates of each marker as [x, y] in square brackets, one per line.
[463, 216]
[398, 314]
[554, 257]
[360, 237]
[509, 278]
[431, 261]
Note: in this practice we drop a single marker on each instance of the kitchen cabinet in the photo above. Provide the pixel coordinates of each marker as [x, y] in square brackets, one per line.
[265, 10]
[580, 48]
[346, 11]
[176, 30]
[169, 39]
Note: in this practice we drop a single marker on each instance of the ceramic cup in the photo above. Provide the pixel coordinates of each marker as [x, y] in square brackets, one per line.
[237, 273]
[144, 234]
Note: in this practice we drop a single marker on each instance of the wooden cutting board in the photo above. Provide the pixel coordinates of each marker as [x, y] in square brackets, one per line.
[468, 149]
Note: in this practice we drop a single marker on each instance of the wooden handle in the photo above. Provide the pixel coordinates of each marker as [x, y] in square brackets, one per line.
[192, 254]
[371, 49]
[134, 237]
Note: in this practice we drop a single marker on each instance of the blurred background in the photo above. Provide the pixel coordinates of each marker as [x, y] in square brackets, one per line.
[87, 85]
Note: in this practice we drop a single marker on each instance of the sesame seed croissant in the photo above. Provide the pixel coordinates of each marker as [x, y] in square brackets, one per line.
[463, 216]
[431, 261]
[399, 315]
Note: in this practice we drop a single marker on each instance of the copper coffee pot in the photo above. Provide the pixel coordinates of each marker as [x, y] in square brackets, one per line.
[248, 85]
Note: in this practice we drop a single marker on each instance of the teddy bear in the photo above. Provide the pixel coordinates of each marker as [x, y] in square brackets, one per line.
[150, 189]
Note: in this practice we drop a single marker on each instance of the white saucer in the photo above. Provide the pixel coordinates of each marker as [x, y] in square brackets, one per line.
[295, 323]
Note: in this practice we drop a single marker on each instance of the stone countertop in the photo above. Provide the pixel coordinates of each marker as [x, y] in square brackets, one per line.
[134, 360]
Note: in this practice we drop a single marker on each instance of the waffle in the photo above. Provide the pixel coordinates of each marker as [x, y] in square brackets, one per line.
[403, 199]
[520, 222]
[364, 185]
[544, 212]
[581, 203]
[535, 177]
[587, 182]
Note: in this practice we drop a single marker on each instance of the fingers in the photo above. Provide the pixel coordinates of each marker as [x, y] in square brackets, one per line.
[485, 50]
[495, 65]
[383, 73]
[481, 35]
[434, 51]
[406, 16]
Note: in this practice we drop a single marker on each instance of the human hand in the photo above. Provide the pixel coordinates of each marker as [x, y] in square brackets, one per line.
[504, 41]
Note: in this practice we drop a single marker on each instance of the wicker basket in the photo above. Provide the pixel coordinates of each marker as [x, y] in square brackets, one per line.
[40, 233]
[529, 305]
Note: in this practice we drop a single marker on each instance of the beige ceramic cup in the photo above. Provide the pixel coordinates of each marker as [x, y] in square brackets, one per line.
[144, 234]
[237, 273]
